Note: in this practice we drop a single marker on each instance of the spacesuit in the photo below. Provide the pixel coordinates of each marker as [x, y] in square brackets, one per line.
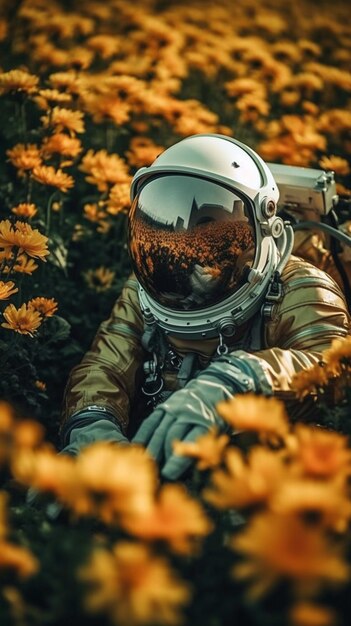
[217, 305]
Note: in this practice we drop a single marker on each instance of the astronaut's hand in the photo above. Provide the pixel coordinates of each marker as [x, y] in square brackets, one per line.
[191, 412]
[87, 427]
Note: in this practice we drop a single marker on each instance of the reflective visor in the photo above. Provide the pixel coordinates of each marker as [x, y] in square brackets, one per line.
[191, 241]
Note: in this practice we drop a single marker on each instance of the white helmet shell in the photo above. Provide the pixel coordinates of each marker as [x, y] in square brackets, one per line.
[235, 167]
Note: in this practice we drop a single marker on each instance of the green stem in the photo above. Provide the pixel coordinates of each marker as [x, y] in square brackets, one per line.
[48, 212]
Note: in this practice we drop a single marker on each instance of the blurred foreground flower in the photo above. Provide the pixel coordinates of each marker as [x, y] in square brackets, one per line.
[175, 517]
[276, 547]
[249, 412]
[208, 450]
[13, 558]
[134, 587]
[245, 482]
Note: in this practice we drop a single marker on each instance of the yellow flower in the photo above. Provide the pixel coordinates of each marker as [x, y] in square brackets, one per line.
[17, 559]
[112, 482]
[24, 157]
[255, 413]
[93, 213]
[24, 237]
[118, 199]
[7, 289]
[319, 453]
[336, 163]
[175, 518]
[325, 499]
[24, 265]
[305, 613]
[25, 209]
[143, 151]
[208, 450]
[27, 435]
[44, 470]
[54, 95]
[283, 546]
[245, 483]
[18, 80]
[100, 279]
[134, 587]
[60, 143]
[105, 45]
[310, 380]
[47, 175]
[337, 356]
[103, 169]
[23, 320]
[61, 119]
[40, 385]
[47, 307]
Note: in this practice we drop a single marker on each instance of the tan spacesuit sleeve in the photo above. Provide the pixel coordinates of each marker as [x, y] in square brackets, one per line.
[310, 315]
[106, 376]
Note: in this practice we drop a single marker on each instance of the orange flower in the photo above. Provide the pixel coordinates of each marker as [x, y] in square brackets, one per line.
[94, 213]
[245, 483]
[24, 157]
[27, 435]
[310, 380]
[175, 518]
[133, 586]
[105, 45]
[208, 449]
[118, 199]
[307, 614]
[337, 164]
[143, 151]
[283, 546]
[40, 385]
[24, 237]
[255, 413]
[44, 470]
[47, 307]
[17, 559]
[54, 95]
[111, 482]
[47, 175]
[319, 453]
[3, 515]
[100, 279]
[328, 500]
[24, 265]
[59, 143]
[18, 80]
[7, 289]
[24, 321]
[103, 169]
[25, 209]
[61, 119]
[337, 356]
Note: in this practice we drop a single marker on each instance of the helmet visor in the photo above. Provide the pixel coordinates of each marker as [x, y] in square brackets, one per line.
[191, 241]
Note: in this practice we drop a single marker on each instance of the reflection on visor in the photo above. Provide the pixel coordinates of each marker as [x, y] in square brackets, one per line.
[190, 241]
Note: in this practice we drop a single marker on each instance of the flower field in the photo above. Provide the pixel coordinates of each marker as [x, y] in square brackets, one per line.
[89, 92]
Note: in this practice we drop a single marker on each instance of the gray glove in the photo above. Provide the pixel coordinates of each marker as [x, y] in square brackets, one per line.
[190, 412]
[89, 426]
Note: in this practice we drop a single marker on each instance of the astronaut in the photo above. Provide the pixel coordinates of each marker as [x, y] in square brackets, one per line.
[217, 305]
